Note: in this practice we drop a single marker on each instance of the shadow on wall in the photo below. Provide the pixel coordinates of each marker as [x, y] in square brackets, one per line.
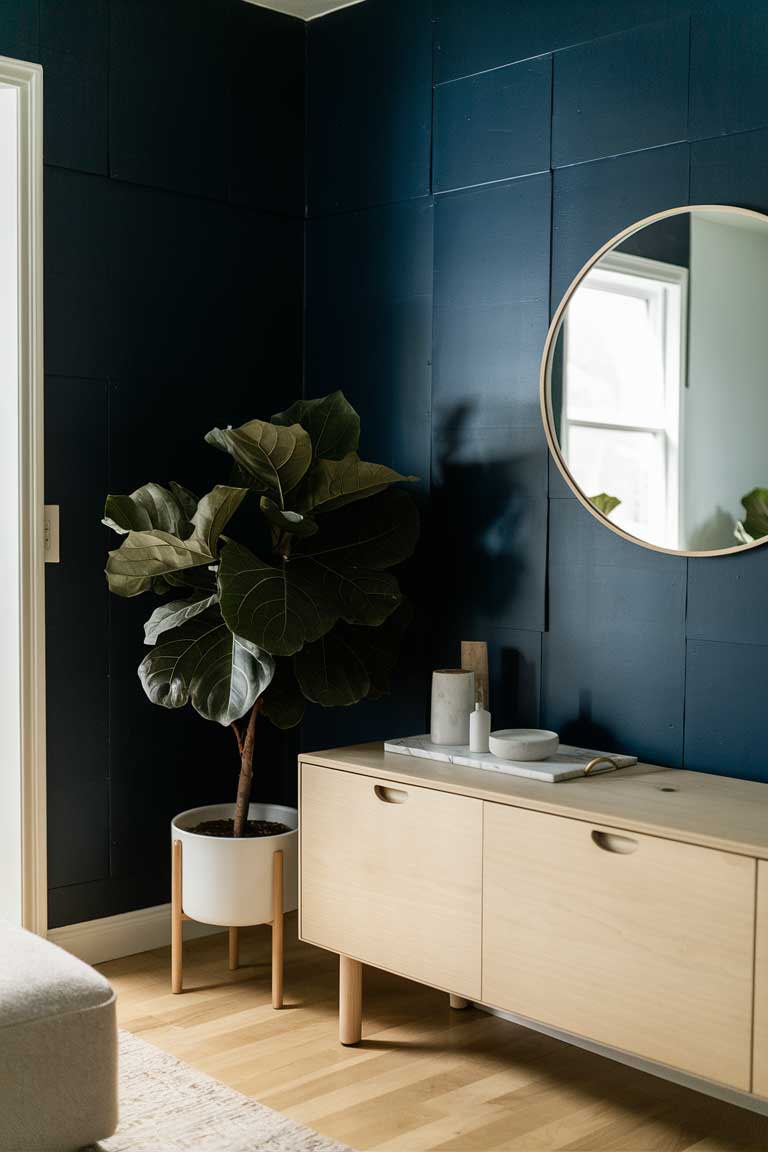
[479, 525]
[585, 733]
[719, 531]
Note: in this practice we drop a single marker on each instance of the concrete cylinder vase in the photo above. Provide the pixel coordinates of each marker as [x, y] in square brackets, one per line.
[453, 698]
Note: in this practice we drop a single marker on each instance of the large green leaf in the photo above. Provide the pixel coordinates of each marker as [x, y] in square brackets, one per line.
[144, 555]
[279, 609]
[150, 506]
[214, 513]
[187, 500]
[292, 522]
[333, 483]
[379, 648]
[173, 614]
[276, 457]
[755, 524]
[351, 662]
[332, 423]
[330, 672]
[283, 702]
[201, 580]
[382, 535]
[352, 549]
[204, 663]
[605, 503]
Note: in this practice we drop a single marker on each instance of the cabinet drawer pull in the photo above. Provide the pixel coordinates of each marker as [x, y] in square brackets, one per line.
[610, 842]
[390, 795]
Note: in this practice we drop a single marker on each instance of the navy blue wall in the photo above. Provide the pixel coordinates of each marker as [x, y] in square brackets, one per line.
[173, 294]
[462, 164]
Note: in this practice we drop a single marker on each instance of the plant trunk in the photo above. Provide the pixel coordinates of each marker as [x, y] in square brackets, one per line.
[246, 772]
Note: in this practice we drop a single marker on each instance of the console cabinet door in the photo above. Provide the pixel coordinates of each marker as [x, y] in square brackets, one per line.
[391, 875]
[760, 1067]
[636, 942]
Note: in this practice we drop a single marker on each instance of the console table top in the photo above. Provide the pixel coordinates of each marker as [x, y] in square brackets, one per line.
[694, 807]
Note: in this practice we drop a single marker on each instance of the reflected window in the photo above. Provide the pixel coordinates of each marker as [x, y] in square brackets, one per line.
[623, 379]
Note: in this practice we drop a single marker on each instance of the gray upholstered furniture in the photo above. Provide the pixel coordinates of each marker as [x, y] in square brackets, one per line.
[58, 1048]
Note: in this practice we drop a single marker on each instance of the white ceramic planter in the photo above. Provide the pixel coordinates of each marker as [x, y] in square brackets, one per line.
[227, 881]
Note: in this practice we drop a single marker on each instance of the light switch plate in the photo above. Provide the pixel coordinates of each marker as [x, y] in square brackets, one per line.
[51, 533]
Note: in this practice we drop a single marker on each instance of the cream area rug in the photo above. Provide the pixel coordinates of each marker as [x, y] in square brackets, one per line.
[167, 1106]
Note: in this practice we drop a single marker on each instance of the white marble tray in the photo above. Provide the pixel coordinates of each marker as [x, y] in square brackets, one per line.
[566, 764]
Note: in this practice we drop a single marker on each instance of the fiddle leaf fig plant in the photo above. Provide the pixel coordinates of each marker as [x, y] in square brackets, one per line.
[310, 613]
[754, 525]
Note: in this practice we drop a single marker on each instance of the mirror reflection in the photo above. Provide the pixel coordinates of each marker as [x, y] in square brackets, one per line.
[657, 391]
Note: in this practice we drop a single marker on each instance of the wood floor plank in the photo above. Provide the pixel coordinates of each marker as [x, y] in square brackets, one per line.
[424, 1078]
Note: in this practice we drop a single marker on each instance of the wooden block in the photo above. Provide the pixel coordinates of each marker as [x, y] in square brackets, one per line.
[474, 658]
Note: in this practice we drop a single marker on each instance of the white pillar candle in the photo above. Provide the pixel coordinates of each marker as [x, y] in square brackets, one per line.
[453, 698]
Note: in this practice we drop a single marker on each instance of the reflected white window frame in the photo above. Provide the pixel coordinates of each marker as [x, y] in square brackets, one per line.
[665, 287]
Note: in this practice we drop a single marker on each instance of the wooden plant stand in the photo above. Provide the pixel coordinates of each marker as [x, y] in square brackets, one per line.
[178, 916]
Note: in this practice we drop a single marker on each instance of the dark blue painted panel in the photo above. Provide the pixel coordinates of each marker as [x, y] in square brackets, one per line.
[731, 170]
[76, 627]
[107, 897]
[594, 201]
[266, 70]
[169, 106]
[487, 359]
[381, 254]
[471, 37]
[19, 26]
[194, 309]
[489, 513]
[370, 105]
[729, 42]
[621, 93]
[74, 47]
[75, 108]
[493, 126]
[493, 244]
[726, 598]
[369, 325]
[78, 275]
[725, 709]
[491, 285]
[614, 654]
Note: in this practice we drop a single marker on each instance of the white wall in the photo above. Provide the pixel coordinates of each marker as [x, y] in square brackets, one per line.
[10, 754]
[725, 413]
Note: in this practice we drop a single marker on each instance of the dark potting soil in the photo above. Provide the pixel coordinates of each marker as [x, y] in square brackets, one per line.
[252, 828]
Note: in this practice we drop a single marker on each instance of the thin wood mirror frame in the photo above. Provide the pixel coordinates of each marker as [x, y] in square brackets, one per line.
[545, 390]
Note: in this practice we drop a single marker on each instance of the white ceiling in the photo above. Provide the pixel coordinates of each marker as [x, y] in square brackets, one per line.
[304, 9]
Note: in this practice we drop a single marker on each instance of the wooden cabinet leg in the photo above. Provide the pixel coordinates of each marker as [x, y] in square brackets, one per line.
[234, 949]
[277, 930]
[177, 940]
[350, 1001]
[458, 1001]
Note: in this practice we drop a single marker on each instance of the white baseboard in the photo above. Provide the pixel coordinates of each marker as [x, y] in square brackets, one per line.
[708, 1087]
[96, 941]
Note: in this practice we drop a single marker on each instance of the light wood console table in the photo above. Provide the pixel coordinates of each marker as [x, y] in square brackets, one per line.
[630, 908]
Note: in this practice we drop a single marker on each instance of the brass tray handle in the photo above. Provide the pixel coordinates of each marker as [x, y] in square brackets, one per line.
[600, 760]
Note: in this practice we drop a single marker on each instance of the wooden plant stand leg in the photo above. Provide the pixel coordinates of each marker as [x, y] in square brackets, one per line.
[177, 917]
[234, 949]
[350, 1001]
[277, 929]
[458, 1002]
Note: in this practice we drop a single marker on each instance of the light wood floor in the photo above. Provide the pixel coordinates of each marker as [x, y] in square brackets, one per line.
[425, 1077]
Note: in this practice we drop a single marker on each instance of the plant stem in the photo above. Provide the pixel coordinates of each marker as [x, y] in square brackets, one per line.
[246, 772]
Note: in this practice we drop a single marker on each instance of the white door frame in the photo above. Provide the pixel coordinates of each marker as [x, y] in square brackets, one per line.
[28, 80]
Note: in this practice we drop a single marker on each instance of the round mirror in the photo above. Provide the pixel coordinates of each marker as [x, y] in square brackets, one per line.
[655, 381]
